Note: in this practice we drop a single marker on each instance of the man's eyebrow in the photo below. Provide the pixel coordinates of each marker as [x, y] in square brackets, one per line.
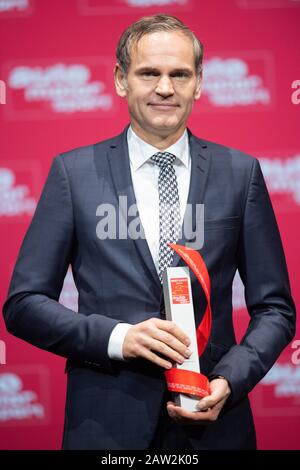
[147, 69]
[183, 70]
[155, 70]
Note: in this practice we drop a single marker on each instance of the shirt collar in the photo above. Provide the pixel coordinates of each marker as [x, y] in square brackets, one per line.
[140, 151]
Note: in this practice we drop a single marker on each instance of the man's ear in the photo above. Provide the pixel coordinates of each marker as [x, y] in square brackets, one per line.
[198, 87]
[120, 81]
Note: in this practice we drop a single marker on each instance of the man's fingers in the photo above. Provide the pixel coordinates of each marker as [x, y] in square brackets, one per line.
[162, 348]
[173, 329]
[180, 414]
[209, 402]
[174, 343]
[209, 407]
[152, 357]
[220, 391]
[155, 337]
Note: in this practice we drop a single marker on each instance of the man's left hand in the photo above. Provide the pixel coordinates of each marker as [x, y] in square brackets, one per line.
[209, 407]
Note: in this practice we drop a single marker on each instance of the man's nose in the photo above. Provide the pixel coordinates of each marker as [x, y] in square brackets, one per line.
[164, 86]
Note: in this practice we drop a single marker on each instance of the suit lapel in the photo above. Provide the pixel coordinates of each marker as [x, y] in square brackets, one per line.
[119, 164]
[200, 161]
[118, 158]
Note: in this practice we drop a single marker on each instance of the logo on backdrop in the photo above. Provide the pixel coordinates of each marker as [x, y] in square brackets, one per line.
[24, 396]
[278, 393]
[154, 3]
[282, 177]
[16, 7]
[15, 199]
[268, 3]
[102, 7]
[237, 82]
[59, 88]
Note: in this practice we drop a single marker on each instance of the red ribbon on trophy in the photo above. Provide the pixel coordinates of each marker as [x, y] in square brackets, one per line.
[185, 381]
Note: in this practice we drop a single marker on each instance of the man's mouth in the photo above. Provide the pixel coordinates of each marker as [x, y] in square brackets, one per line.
[163, 106]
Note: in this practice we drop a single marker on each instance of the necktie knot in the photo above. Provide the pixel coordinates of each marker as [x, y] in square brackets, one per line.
[163, 159]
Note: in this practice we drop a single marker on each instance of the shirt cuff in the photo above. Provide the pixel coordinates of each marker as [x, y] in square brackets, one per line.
[116, 340]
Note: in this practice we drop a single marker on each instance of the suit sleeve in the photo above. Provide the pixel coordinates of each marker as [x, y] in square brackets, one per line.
[32, 311]
[262, 267]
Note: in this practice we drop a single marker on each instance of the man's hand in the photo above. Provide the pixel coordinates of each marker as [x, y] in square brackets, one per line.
[209, 406]
[153, 336]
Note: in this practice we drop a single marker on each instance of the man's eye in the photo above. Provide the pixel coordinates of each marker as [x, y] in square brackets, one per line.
[180, 75]
[149, 74]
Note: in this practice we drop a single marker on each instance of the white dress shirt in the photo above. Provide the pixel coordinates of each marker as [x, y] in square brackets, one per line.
[144, 174]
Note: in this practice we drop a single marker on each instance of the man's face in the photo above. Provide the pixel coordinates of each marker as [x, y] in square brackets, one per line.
[161, 84]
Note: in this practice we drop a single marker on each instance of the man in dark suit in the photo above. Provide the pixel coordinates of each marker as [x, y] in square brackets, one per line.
[119, 344]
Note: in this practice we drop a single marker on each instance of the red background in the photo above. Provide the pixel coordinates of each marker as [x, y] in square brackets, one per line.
[264, 34]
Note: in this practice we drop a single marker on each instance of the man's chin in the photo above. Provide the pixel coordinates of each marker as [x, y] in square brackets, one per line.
[166, 128]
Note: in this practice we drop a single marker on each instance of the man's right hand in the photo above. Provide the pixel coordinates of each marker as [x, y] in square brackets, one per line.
[153, 336]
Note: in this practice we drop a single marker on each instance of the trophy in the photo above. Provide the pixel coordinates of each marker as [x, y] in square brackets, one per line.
[185, 380]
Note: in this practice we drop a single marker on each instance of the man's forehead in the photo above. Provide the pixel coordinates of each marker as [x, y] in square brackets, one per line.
[168, 44]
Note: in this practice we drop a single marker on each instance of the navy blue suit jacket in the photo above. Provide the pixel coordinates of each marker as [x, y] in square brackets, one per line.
[112, 404]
